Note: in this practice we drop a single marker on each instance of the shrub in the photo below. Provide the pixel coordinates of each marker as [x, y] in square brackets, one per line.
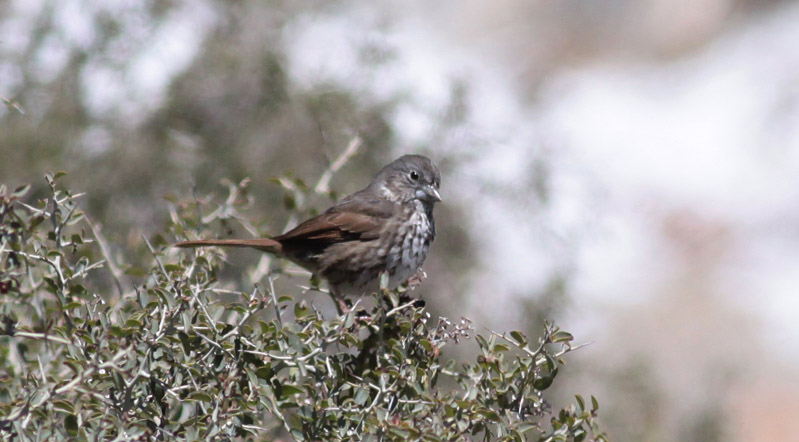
[87, 355]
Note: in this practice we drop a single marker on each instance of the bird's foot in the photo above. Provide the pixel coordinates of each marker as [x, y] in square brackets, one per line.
[416, 280]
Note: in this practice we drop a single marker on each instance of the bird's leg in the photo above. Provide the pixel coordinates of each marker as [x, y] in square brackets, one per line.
[411, 285]
[342, 307]
[416, 280]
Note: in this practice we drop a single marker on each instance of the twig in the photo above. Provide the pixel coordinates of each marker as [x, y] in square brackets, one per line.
[13, 104]
[155, 255]
[323, 185]
[399, 308]
[211, 342]
[256, 428]
[570, 348]
[116, 273]
[53, 219]
[274, 300]
[196, 297]
[46, 337]
[262, 269]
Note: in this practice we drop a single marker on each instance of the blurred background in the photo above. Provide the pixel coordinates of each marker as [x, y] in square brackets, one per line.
[629, 169]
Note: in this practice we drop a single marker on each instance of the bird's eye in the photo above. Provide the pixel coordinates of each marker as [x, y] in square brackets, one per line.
[414, 176]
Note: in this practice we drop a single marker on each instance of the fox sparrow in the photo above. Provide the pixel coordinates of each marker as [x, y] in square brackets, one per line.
[385, 228]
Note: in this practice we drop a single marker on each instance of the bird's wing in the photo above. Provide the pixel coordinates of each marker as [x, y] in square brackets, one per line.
[350, 219]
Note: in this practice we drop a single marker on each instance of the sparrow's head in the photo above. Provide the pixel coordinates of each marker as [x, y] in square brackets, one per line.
[408, 178]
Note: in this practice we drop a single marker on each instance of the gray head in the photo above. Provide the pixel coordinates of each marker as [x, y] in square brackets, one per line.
[408, 178]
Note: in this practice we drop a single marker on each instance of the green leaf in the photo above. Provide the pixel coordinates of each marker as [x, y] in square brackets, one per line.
[301, 309]
[173, 268]
[349, 319]
[501, 347]
[383, 280]
[71, 424]
[20, 191]
[361, 396]
[580, 401]
[199, 396]
[392, 295]
[63, 406]
[159, 240]
[289, 202]
[136, 271]
[518, 337]
[562, 336]
[290, 390]
[545, 381]
[426, 344]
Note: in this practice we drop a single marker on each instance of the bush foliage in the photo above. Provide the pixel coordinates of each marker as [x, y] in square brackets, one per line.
[86, 355]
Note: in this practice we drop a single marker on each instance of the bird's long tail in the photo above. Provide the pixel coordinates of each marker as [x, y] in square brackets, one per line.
[263, 244]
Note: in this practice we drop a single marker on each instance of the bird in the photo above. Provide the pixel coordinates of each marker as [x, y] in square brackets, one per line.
[385, 228]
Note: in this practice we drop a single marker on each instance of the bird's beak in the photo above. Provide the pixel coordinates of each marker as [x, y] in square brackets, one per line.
[429, 193]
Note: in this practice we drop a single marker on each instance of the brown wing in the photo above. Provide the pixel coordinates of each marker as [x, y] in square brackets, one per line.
[355, 218]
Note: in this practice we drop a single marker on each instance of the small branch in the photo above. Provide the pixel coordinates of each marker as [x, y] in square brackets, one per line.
[223, 291]
[155, 255]
[399, 308]
[313, 353]
[262, 269]
[323, 185]
[255, 428]
[199, 302]
[211, 342]
[570, 348]
[274, 300]
[54, 220]
[13, 104]
[45, 337]
[116, 273]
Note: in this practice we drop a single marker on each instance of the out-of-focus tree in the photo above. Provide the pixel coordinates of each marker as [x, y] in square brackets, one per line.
[106, 103]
